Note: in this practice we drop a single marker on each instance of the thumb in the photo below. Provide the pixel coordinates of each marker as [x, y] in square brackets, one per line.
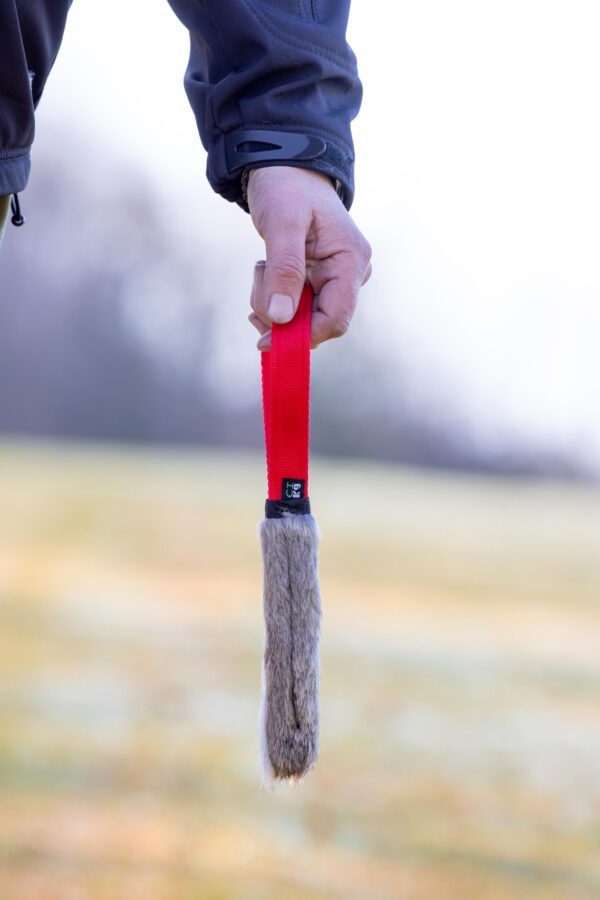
[285, 271]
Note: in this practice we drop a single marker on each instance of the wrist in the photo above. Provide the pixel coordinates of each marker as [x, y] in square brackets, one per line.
[335, 183]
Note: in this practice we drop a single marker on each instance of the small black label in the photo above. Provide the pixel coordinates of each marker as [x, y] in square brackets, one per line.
[293, 489]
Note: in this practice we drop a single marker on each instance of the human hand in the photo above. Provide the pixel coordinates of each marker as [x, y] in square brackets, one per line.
[308, 235]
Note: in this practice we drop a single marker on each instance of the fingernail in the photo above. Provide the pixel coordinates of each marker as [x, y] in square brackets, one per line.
[281, 308]
[264, 342]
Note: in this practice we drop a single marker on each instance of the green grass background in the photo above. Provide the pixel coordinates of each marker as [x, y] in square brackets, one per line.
[460, 745]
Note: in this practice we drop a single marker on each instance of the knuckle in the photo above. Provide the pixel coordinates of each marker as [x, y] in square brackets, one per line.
[339, 326]
[362, 250]
[259, 307]
[288, 266]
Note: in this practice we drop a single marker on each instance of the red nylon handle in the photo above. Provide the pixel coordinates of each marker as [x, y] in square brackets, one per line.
[286, 393]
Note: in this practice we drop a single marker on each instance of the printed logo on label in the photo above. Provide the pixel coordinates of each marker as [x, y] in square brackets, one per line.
[293, 489]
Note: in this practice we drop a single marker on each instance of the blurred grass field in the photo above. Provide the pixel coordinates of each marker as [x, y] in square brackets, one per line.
[460, 745]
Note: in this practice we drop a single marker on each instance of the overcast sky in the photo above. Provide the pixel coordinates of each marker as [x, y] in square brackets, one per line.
[477, 184]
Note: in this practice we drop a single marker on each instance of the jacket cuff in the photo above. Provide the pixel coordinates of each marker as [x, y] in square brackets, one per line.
[251, 148]
[14, 171]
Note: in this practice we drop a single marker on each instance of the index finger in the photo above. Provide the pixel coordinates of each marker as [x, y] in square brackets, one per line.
[336, 282]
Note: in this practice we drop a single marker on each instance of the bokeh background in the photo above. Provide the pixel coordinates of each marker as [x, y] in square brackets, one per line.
[456, 441]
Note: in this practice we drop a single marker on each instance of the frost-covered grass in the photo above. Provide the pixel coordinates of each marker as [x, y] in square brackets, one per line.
[460, 753]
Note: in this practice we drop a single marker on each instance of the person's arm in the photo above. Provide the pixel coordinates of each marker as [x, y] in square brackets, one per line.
[272, 81]
[30, 35]
[274, 87]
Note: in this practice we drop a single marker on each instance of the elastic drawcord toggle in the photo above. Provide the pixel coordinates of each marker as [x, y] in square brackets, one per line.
[17, 218]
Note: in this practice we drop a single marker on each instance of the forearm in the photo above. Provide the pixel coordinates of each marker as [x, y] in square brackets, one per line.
[266, 66]
[30, 35]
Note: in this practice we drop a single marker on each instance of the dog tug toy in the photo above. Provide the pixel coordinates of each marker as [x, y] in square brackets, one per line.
[289, 717]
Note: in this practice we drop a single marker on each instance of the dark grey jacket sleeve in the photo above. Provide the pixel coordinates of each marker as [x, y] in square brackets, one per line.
[272, 82]
[30, 35]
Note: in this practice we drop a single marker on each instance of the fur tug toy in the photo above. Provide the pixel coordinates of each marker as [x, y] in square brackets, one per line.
[289, 716]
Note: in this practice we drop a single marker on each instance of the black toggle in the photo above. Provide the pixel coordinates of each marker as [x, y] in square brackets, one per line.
[17, 217]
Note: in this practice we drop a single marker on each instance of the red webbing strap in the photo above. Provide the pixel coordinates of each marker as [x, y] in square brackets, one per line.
[285, 391]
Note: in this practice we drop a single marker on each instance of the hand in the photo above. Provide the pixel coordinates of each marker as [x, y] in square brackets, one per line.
[308, 235]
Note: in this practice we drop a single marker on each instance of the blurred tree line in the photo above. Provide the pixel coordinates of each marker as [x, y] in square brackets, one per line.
[108, 329]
